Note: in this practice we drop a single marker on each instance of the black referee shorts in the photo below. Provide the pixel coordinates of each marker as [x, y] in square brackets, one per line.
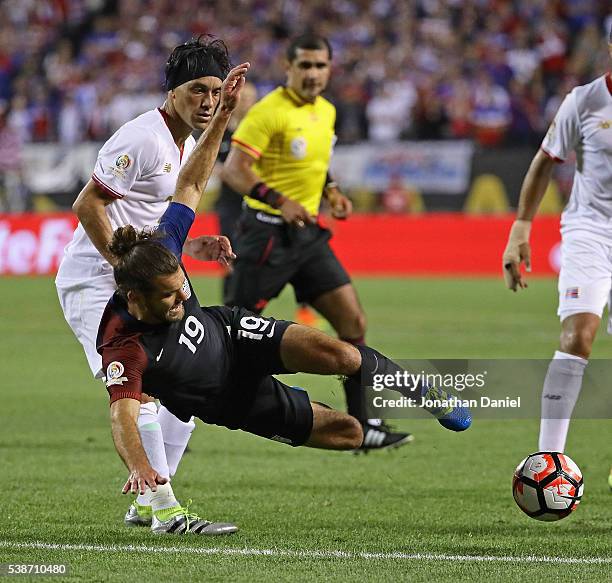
[272, 254]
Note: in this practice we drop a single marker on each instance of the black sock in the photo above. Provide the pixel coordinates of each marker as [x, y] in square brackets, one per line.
[375, 363]
[355, 399]
[376, 366]
[355, 395]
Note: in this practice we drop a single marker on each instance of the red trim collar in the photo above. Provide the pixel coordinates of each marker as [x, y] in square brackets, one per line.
[609, 82]
[164, 115]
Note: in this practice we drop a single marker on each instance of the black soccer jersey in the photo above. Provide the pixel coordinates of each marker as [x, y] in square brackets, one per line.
[179, 363]
[207, 364]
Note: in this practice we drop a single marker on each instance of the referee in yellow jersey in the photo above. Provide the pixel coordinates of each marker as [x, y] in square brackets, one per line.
[279, 162]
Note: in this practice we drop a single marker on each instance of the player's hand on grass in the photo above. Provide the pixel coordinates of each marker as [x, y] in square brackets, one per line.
[517, 251]
[294, 213]
[211, 248]
[233, 84]
[140, 478]
[341, 206]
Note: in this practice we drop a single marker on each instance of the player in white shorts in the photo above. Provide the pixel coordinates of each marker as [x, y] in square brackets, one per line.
[583, 124]
[134, 177]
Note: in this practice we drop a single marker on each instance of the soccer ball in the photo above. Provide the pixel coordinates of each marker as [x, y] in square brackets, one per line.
[547, 485]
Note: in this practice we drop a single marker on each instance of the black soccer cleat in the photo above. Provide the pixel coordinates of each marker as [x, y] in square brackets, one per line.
[376, 437]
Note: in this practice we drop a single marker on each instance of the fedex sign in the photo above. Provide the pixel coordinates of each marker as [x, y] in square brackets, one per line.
[407, 245]
[33, 244]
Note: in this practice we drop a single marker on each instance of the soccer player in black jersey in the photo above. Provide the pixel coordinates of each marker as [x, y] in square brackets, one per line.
[215, 362]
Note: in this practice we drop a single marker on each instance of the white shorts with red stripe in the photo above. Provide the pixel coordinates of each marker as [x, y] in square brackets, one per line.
[585, 279]
[84, 288]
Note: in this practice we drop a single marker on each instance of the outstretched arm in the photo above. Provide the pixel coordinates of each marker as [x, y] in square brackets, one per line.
[197, 169]
[534, 186]
[518, 249]
[180, 214]
[124, 415]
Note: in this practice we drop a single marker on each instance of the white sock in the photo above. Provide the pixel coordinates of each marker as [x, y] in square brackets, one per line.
[176, 436]
[163, 498]
[559, 395]
[153, 444]
[144, 499]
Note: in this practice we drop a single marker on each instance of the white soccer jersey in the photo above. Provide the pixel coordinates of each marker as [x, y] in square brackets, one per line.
[584, 124]
[138, 166]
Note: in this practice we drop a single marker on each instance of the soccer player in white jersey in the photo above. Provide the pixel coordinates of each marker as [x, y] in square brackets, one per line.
[583, 124]
[133, 180]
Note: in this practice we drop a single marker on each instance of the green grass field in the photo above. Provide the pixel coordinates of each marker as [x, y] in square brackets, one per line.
[438, 509]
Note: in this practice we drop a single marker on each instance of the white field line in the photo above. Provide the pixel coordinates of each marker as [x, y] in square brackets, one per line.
[305, 554]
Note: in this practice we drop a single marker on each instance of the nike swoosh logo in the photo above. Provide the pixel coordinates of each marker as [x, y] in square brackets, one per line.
[159, 355]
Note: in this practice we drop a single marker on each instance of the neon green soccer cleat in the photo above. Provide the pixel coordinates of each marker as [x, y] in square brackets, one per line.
[180, 521]
[138, 515]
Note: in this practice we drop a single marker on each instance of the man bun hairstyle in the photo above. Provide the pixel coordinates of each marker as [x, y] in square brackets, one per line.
[310, 42]
[205, 56]
[141, 258]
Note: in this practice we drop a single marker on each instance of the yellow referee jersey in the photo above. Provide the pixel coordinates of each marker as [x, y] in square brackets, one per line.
[291, 140]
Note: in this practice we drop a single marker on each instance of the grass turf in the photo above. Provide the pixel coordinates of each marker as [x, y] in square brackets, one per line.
[444, 494]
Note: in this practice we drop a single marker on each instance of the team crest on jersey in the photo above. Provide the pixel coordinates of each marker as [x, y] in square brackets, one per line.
[123, 162]
[167, 167]
[605, 124]
[572, 293]
[114, 374]
[186, 289]
[298, 148]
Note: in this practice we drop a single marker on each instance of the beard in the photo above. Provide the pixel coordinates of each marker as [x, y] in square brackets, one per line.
[175, 314]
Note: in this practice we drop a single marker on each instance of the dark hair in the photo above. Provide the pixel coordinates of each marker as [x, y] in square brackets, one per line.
[141, 258]
[310, 42]
[194, 56]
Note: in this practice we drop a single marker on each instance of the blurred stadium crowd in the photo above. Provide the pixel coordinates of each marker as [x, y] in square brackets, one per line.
[495, 71]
